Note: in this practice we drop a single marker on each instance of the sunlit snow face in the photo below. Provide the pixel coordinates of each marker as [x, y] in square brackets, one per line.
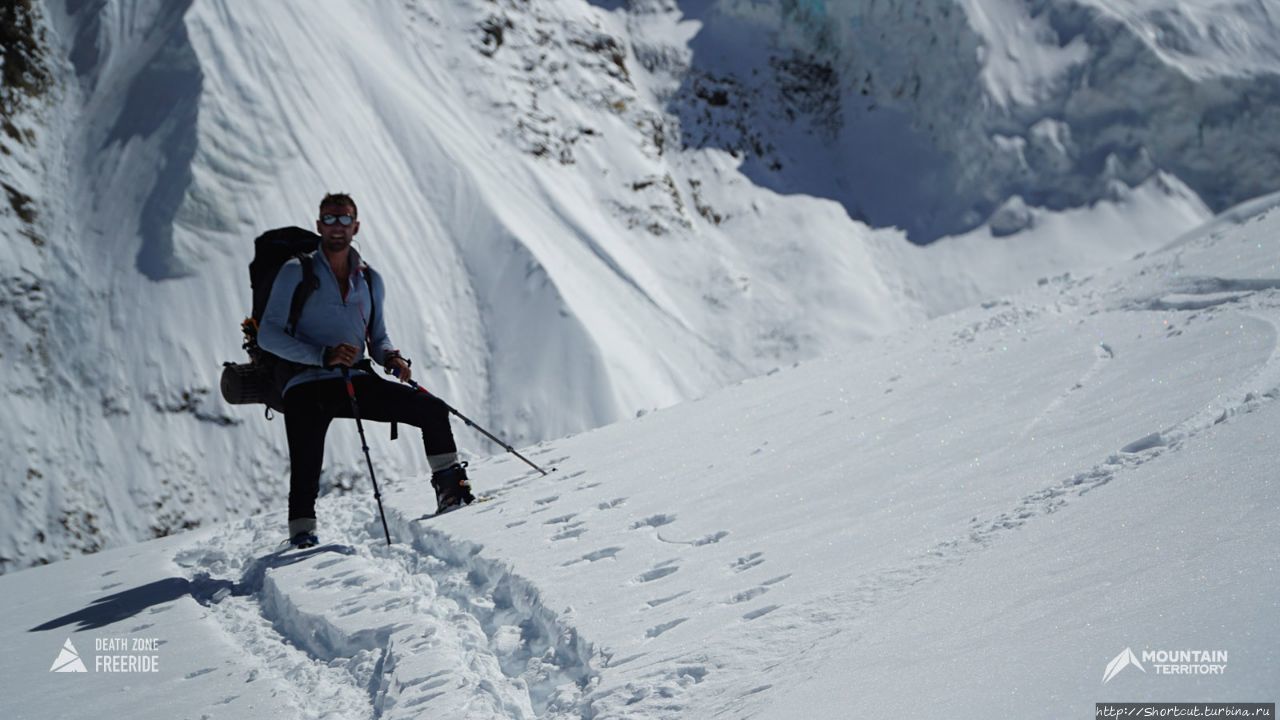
[337, 237]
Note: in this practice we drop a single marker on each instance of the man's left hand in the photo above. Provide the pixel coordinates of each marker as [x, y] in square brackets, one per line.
[401, 368]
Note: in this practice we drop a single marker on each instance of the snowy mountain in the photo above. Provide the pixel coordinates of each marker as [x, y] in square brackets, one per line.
[981, 517]
[583, 210]
[938, 117]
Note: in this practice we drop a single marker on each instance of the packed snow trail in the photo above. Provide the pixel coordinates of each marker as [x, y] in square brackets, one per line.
[389, 632]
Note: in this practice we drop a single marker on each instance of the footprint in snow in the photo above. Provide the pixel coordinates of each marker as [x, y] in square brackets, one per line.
[761, 612]
[748, 595]
[657, 630]
[711, 539]
[601, 554]
[654, 521]
[611, 504]
[657, 573]
[696, 673]
[664, 600]
[570, 531]
[747, 562]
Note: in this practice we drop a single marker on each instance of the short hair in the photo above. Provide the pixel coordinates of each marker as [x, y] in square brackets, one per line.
[340, 198]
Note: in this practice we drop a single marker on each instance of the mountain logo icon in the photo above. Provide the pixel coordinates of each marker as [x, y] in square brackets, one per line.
[1120, 662]
[68, 660]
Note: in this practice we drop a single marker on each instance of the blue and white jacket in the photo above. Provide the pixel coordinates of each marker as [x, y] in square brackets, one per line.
[327, 319]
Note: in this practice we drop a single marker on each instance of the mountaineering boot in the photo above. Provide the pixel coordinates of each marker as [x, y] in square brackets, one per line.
[302, 533]
[452, 488]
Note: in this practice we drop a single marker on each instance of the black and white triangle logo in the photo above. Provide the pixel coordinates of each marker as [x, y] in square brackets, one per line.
[1120, 662]
[68, 660]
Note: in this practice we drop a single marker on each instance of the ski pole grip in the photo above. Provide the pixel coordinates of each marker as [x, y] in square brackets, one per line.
[412, 383]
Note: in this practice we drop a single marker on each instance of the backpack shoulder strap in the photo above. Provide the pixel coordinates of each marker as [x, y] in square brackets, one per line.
[370, 277]
[309, 283]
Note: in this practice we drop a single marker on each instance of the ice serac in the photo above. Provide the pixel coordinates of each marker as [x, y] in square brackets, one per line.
[929, 116]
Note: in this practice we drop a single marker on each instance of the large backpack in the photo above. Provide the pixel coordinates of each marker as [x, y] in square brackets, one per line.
[271, 250]
[263, 378]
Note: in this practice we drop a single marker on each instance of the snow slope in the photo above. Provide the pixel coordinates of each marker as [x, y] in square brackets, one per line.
[969, 518]
[563, 247]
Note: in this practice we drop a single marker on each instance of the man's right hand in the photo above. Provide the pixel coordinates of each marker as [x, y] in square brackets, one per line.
[343, 355]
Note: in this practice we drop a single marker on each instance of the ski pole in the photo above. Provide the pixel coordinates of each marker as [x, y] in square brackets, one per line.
[355, 410]
[468, 421]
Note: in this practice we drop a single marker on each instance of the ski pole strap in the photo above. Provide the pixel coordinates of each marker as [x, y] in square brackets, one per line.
[351, 388]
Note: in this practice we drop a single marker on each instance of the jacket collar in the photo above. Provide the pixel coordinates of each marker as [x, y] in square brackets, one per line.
[354, 262]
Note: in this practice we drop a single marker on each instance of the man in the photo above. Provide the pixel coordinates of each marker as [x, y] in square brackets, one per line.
[340, 320]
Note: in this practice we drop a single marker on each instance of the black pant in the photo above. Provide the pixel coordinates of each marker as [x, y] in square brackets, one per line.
[309, 408]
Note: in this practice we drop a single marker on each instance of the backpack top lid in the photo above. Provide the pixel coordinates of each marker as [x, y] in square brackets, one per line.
[271, 250]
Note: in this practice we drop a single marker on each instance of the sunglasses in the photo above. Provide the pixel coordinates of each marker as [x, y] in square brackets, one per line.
[343, 220]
